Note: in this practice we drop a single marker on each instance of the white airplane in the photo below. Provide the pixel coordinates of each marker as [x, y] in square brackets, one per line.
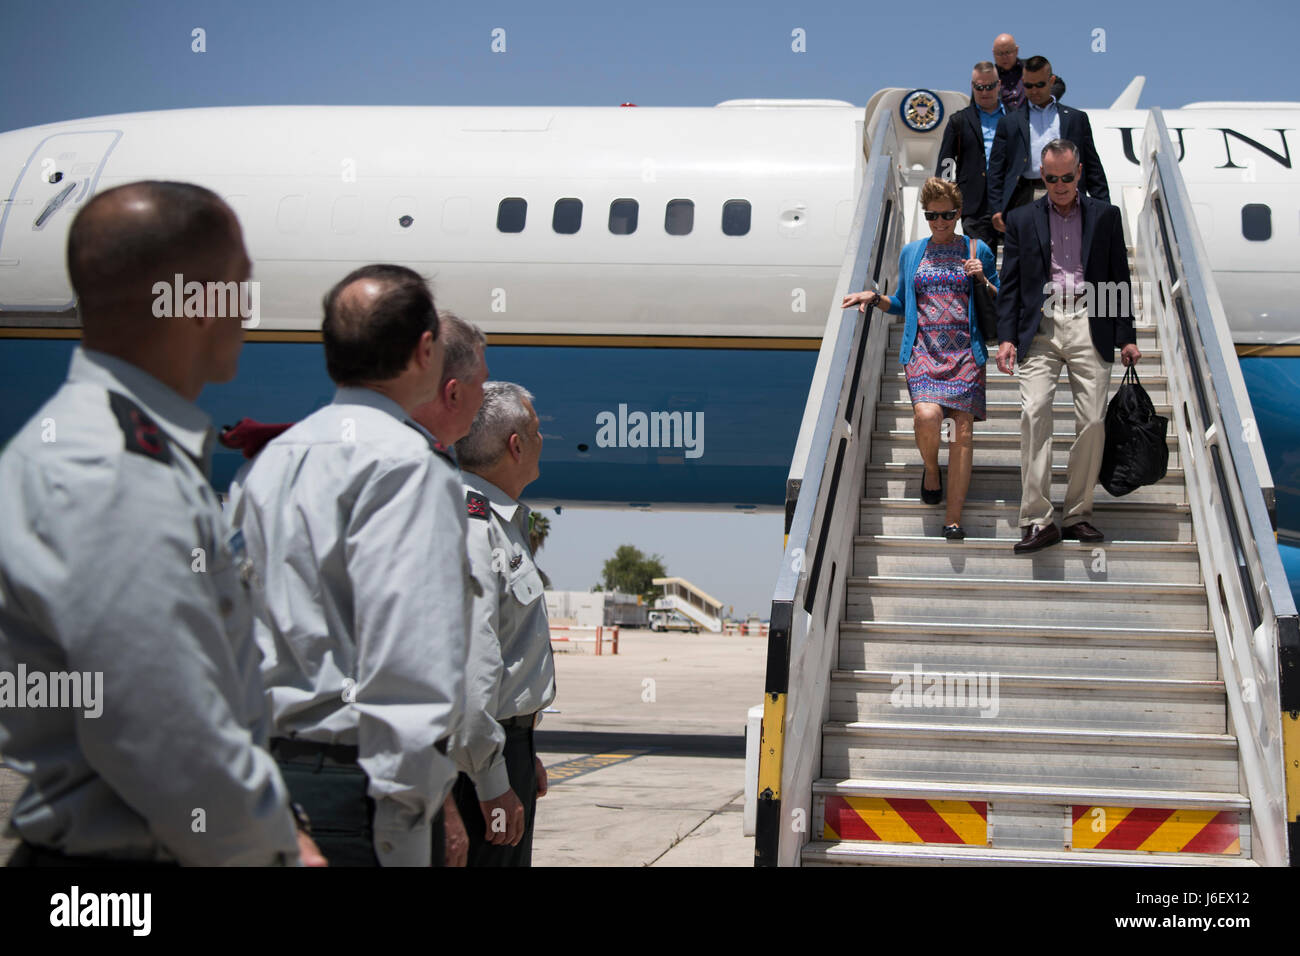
[627, 263]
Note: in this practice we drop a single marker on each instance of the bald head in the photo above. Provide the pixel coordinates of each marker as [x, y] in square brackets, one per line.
[375, 318]
[1005, 51]
[128, 238]
[356, 299]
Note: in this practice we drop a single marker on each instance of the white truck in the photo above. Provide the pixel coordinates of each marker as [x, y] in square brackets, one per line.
[669, 620]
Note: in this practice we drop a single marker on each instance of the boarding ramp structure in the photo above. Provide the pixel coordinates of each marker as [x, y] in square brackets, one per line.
[1131, 702]
[681, 595]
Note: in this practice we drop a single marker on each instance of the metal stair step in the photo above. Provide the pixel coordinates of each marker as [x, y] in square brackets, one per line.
[1077, 819]
[1024, 756]
[1002, 417]
[1063, 796]
[1006, 388]
[1025, 600]
[990, 448]
[999, 698]
[829, 853]
[1137, 518]
[1064, 649]
[1002, 482]
[987, 557]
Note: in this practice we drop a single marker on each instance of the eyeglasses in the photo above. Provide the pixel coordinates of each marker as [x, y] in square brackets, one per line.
[985, 87]
[1067, 178]
[1035, 86]
[948, 216]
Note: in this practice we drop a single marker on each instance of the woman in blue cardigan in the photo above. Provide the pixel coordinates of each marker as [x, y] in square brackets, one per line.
[943, 349]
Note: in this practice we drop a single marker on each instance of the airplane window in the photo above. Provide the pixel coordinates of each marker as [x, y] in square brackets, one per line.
[735, 217]
[1256, 221]
[567, 218]
[622, 217]
[679, 219]
[511, 214]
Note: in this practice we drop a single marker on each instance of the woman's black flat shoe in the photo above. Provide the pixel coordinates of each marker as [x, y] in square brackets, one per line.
[953, 532]
[931, 496]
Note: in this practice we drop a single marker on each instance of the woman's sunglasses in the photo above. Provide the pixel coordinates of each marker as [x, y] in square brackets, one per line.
[948, 216]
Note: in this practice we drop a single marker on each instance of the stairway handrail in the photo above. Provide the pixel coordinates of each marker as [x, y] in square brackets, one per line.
[824, 489]
[1230, 488]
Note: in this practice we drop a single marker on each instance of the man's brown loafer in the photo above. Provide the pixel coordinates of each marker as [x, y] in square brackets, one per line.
[1082, 531]
[1038, 537]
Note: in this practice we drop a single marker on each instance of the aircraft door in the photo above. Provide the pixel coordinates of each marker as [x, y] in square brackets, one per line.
[61, 173]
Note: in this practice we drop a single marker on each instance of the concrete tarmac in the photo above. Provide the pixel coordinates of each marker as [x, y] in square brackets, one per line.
[646, 750]
[679, 702]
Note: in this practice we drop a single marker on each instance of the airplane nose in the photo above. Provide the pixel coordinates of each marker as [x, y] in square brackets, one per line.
[46, 174]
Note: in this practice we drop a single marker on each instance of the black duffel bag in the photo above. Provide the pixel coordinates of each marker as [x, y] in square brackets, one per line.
[1136, 452]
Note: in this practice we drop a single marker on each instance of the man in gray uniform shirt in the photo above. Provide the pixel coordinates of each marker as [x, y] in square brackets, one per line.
[118, 579]
[448, 418]
[357, 525]
[511, 673]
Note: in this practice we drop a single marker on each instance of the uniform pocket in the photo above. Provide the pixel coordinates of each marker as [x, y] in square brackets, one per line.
[526, 586]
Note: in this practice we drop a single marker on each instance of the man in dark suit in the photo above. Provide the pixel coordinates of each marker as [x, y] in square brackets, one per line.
[964, 153]
[1065, 299]
[1011, 73]
[1014, 174]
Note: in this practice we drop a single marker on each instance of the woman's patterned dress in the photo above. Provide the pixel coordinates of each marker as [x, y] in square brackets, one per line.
[942, 368]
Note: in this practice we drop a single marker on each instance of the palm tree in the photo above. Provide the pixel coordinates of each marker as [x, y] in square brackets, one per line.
[539, 526]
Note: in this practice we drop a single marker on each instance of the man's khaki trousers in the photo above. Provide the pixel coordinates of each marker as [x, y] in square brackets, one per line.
[1062, 338]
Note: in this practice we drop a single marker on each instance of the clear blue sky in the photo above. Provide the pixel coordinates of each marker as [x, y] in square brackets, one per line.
[61, 59]
[68, 58]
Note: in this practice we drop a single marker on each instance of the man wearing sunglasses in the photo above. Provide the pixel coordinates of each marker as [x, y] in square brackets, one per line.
[1065, 299]
[1011, 73]
[1015, 174]
[964, 153]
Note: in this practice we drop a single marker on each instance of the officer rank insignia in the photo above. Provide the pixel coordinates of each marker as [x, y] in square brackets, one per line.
[441, 449]
[140, 433]
[476, 505]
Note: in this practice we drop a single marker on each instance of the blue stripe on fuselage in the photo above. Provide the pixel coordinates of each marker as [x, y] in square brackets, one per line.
[751, 401]
[1274, 387]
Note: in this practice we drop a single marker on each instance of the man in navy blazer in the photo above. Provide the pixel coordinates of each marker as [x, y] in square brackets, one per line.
[1065, 299]
[1014, 176]
[964, 153]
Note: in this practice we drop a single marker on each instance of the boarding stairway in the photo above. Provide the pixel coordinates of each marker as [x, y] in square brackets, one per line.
[690, 601]
[946, 702]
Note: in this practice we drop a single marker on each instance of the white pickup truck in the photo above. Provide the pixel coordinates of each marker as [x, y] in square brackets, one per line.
[672, 621]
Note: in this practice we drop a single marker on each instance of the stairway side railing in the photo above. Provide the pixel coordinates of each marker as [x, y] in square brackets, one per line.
[1230, 490]
[822, 501]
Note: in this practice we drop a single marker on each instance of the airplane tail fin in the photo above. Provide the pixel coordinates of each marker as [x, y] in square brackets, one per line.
[1128, 100]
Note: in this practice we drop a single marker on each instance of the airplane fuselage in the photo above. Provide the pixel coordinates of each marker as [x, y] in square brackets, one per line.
[654, 260]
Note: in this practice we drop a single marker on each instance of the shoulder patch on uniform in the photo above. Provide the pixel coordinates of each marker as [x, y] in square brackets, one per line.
[476, 504]
[140, 433]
